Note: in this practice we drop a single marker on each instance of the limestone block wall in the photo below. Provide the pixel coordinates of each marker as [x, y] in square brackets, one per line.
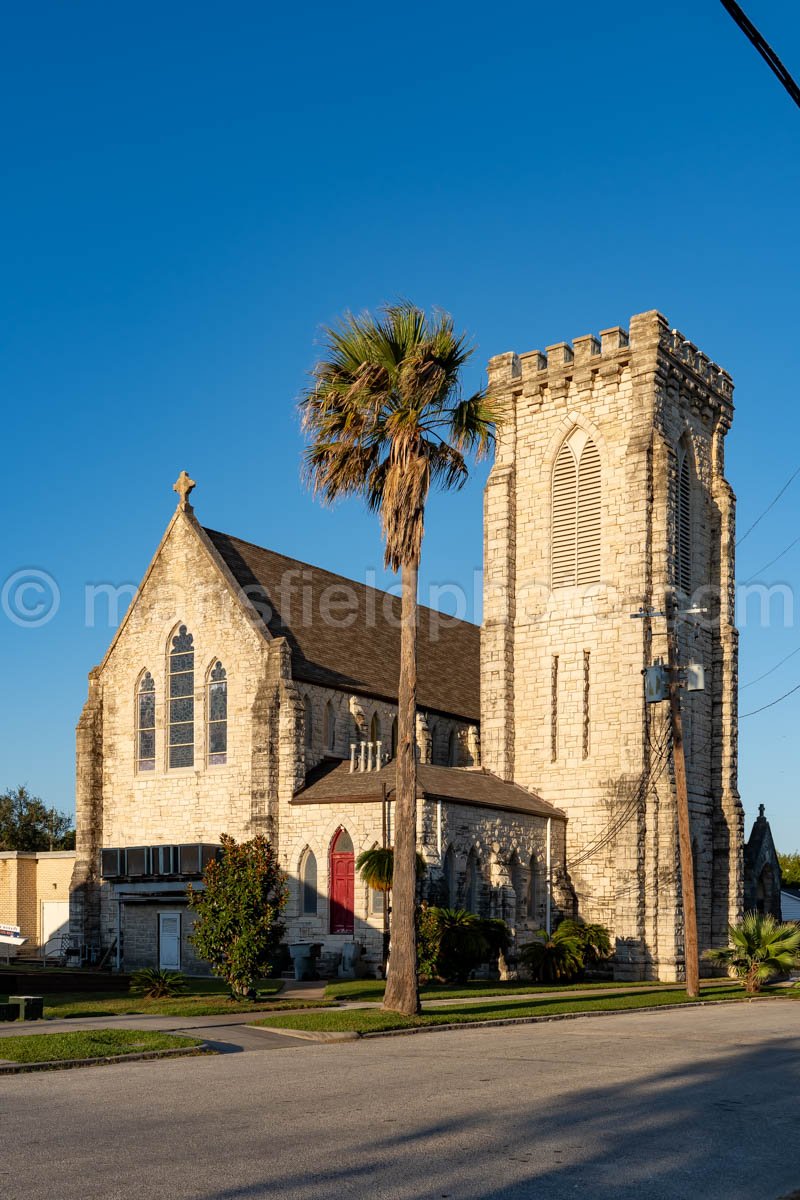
[562, 697]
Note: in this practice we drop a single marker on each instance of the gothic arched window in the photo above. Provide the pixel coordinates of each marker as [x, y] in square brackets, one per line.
[181, 700]
[329, 728]
[449, 877]
[472, 881]
[308, 883]
[146, 724]
[217, 716]
[375, 728]
[394, 738]
[575, 513]
[683, 556]
[452, 749]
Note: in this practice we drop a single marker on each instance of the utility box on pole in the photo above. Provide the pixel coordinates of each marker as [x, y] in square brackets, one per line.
[656, 683]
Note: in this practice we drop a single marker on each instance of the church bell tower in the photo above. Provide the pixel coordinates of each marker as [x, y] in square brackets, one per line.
[608, 493]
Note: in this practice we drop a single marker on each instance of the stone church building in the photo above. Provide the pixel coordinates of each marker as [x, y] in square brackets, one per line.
[245, 692]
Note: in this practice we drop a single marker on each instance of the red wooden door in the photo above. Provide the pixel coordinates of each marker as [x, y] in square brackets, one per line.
[341, 888]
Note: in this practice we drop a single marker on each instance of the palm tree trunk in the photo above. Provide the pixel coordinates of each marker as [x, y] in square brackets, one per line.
[402, 988]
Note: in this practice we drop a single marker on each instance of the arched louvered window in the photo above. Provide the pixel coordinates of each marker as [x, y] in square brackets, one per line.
[181, 700]
[683, 555]
[217, 716]
[146, 724]
[575, 520]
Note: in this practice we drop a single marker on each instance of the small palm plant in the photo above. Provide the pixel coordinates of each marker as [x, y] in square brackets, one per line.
[552, 957]
[594, 940]
[760, 949]
[156, 984]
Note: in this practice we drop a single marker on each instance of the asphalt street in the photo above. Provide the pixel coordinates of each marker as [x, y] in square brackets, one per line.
[665, 1106]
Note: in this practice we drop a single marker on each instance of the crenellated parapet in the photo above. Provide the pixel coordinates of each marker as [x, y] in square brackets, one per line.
[647, 341]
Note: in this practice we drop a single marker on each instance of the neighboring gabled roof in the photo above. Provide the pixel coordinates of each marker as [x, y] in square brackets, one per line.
[333, 782]
[364, 655]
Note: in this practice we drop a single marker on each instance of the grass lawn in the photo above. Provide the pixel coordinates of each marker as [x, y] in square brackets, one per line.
[94, 1043]
[374, 1020]
[372, 989]
[202, 998]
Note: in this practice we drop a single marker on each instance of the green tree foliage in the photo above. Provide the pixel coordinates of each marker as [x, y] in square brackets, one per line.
[26, 823]
[760, 949]
[239, 924]
[376, 867]
[790, 868]
[552, 957]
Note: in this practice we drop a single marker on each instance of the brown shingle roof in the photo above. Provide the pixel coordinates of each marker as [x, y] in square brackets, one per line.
[334, 782]
[364, 655]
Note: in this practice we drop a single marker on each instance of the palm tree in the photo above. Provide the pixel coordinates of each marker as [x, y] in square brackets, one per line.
[552, 956]
[385, 419]
[593, 939]
[760, 949]
[376, 867]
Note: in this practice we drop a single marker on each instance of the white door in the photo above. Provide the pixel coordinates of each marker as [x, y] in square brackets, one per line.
[55, 923]
[169, 941]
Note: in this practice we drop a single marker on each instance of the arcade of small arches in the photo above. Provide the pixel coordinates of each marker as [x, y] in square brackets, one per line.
[514, 889]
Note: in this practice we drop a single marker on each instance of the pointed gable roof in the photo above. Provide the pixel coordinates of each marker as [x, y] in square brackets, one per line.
[343, 634]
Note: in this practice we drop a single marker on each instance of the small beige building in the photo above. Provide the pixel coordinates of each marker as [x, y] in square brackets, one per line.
[34, 895]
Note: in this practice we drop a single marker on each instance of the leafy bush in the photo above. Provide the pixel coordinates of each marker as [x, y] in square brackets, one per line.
[239, 929]
[760, 949]
[552, 957]
[156, 984]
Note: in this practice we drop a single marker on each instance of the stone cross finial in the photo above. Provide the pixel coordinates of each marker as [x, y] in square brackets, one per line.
[761, 810]
[183, 485]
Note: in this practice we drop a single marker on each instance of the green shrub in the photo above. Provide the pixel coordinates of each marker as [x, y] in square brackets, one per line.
[156, 984]
[552, 957]
[594, 940]
[452, 942]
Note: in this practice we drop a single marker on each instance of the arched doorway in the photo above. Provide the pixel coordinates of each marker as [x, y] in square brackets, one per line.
[341, 883]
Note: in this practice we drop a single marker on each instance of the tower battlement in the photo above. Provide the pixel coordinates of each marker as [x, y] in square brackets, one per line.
[647, 332]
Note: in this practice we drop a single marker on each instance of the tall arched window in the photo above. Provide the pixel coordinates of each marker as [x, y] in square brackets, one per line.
[329, 727]
[472, 883]
[375, 728]
[575, 513]
[146, 724]
[217, 716]
[341, 877]
[308, 883]
[394, 738]
[517, 883]
[452, 749]
[533, 887]
[683, 556]
[308, 722]
[181, 700]
[449, 878]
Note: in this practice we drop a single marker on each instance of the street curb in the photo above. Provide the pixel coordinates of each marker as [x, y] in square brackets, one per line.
[351, 1036]
[311, 1035]
[609, 1012]
[64, 1064]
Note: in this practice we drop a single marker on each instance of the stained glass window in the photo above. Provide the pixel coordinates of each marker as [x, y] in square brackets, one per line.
[181, 700]
[146, 724]
[217, 716]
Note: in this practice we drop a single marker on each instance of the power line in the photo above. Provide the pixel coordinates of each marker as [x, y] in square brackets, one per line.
[772, 503]
[764, 49]
[771, 704]
[758, 678]
[772, 561]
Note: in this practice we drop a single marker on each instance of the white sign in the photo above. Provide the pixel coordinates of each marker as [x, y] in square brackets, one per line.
[9, 930]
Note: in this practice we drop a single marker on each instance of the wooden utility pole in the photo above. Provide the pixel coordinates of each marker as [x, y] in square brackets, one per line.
[684, 829]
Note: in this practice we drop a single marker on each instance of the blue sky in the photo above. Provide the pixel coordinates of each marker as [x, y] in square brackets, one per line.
[190, 191]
